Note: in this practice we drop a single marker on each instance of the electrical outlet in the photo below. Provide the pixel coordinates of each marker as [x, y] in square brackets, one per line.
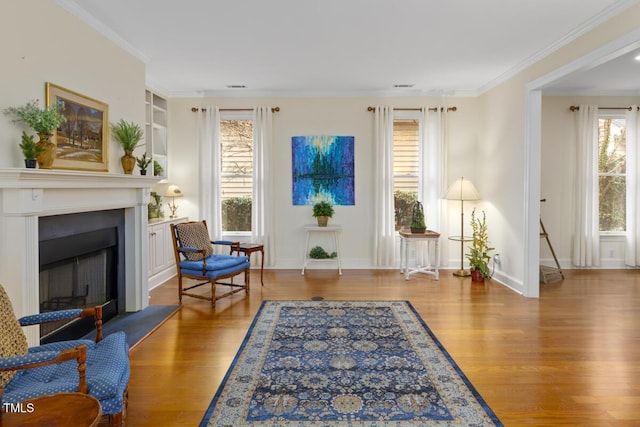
[496, 259]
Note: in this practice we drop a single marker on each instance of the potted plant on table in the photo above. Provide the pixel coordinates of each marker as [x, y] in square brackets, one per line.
[322, 211]
[44, 122]
[143, 163]
[128, 135]
[478, 255]
[417, 219]
[30, 150]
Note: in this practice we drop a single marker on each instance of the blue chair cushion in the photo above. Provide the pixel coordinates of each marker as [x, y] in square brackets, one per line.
[216, 265]
[108, 373]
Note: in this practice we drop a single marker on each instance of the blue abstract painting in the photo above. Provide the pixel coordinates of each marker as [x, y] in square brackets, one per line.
[323, 170]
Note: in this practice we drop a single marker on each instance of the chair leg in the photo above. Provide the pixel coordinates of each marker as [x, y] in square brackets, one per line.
[179, 288]
[115, 420]
[213, 292]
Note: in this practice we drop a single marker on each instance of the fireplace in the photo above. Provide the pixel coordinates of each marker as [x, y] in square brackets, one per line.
[29, 198]
[81, 264]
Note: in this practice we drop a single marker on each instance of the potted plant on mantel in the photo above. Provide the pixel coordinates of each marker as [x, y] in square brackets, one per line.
[44, 122]
[478, 255]
[322, 211]
[143, 163]
[30, 150]
[128, 135]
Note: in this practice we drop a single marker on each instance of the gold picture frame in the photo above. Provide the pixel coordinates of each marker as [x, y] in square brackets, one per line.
[83, 140]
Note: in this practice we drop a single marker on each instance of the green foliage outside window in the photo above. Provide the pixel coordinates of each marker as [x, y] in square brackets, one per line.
[403, 202]
[612, 164]
[236, 214]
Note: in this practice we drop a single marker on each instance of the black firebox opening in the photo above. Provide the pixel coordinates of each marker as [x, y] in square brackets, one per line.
[81, 265]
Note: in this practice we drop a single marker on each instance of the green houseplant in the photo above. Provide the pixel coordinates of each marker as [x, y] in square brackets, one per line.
[157, 168]
[322, 211]
[128, 135]
[44, 121]
[478, 255]
[417, 219]
[30, 150]
[143, 163]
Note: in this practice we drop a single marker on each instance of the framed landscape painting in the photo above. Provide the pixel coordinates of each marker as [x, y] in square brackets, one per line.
[323, 170]
[83, 140]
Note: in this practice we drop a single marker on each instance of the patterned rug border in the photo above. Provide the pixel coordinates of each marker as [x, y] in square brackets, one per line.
[480, 400]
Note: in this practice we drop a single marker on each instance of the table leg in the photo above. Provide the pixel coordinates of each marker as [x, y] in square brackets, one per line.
[336, 239]
[306, 253]
[262, 266]
[435, 266]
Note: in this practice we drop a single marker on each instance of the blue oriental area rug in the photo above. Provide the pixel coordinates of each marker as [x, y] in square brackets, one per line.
[344, 363]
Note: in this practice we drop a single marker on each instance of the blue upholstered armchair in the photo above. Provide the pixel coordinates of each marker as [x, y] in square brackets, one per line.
[196, 260]
[100, 367]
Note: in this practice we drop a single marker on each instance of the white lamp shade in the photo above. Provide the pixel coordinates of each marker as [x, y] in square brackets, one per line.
[462, 189]
[173, 191]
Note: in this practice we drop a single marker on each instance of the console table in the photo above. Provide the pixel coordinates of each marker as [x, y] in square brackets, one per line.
[431, 237]
[334, 230]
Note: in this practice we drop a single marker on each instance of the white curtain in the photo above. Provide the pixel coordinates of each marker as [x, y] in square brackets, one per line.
[262, 210]
[632, 250]
[209, 194]
[433, 151]
[586, 233]
[384, 231]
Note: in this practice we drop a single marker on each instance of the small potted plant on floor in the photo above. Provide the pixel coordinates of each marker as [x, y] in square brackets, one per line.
[478, 255]
[30, 150]
[143, 163]
[44, 122]
[322, 211]
[128, 135]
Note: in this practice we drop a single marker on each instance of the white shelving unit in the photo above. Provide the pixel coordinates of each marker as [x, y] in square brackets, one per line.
[156, 130]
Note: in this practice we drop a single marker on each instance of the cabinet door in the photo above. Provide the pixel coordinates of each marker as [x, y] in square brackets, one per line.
[157, 248]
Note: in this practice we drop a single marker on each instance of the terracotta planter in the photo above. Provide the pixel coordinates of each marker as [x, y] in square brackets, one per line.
[46, 158]
[128, 162]
[476, 276]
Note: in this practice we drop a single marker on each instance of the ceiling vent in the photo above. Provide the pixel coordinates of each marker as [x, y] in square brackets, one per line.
[236, 86]
[403, 86]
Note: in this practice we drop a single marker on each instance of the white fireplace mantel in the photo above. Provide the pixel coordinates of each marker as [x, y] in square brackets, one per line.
[27, 194]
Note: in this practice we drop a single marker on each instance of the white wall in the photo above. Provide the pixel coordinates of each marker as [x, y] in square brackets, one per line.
[42, 42]
[321, 116]
[508, 123]
[558, 169]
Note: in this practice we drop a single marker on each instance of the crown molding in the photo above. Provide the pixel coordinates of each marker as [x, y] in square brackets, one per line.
[587, 26]
[72, 7]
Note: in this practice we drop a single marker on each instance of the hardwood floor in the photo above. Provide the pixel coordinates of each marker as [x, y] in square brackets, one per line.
[571, 357]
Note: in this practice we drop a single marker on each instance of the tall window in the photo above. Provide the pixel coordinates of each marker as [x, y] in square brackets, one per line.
[236, 135]
[406, 167]
[612, 173]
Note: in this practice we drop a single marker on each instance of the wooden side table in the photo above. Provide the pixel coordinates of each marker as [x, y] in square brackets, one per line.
[61, 409]
[428, 236]
[249, 248]
[335, 231]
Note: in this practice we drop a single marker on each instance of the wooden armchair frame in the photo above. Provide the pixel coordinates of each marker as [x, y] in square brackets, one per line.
[208, 276]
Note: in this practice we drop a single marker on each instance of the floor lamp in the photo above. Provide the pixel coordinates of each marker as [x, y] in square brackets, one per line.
[462, 189]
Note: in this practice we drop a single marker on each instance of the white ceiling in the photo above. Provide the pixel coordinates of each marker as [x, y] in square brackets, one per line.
[339, 47]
